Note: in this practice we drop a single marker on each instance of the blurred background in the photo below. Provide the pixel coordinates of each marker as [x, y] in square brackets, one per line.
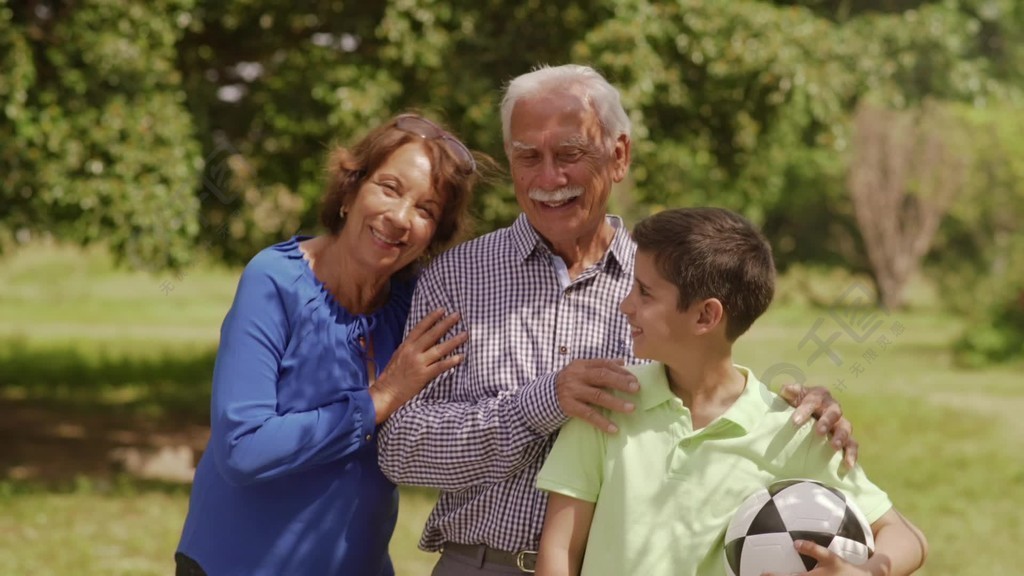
[148, 149]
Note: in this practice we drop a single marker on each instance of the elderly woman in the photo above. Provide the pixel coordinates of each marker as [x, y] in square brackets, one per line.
[311, 361]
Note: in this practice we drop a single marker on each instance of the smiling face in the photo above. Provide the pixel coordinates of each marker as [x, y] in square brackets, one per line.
[659, 328]
[562, 167]
[393, 217]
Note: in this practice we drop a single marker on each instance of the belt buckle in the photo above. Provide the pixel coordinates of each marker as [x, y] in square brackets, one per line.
[521, 559]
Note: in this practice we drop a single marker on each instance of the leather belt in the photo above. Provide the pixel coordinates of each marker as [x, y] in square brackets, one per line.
[525, 561]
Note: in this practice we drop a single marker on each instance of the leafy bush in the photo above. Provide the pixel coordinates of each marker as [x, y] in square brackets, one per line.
[997, 336]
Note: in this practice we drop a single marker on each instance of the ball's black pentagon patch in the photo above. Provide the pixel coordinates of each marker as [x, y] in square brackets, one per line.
[850, 527]
[733, 554]
[767, 521]
[822, 539]
[781, 485]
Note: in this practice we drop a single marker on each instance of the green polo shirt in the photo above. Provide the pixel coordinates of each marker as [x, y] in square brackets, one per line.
[665, 492]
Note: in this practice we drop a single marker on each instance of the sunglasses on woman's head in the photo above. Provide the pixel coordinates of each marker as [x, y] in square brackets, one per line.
[426, 129]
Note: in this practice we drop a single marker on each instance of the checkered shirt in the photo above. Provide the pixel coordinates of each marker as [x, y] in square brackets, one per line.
[480, 432]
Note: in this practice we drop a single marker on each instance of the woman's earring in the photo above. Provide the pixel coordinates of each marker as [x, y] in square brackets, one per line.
[343, 212]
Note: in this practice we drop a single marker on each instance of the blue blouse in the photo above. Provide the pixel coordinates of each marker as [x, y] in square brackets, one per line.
[289, 482]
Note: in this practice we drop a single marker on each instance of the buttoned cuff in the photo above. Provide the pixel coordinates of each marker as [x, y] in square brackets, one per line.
[538, 401]
[368, 426]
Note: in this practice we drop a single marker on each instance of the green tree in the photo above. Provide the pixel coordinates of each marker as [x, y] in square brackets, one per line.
[272, 85]
[747, 104]
[905, 173]
[979, 255]
[96, 143]
[161, 126]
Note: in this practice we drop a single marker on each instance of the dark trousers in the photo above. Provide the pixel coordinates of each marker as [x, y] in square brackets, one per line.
[185, 566]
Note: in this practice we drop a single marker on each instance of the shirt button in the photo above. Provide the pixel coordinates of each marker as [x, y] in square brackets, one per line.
[563, 350]
[369, 437]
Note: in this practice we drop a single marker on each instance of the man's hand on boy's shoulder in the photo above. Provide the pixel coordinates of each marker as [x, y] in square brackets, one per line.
[818, 402]
[586, 386]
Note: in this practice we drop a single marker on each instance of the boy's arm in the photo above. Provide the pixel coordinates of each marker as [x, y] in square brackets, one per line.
[564, 538]
[900, 549]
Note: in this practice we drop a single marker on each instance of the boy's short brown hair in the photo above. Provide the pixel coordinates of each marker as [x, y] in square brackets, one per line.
[712, 253]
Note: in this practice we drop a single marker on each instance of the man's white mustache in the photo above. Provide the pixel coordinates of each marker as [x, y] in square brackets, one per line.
[560, 195]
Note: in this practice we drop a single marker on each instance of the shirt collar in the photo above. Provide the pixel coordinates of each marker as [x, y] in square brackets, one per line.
[619, 256]
[751, 405]
[623, 250]
[654, 389]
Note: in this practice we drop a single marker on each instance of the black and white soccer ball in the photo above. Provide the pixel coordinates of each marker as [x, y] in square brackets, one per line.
[761, 534]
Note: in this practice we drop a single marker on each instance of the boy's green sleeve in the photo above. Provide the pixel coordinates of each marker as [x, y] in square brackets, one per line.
[575, 465]
[824, 464]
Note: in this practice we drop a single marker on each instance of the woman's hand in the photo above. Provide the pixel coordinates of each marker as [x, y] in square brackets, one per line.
[420, 359]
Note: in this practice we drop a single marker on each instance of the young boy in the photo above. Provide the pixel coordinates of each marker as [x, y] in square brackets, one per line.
[657, 497]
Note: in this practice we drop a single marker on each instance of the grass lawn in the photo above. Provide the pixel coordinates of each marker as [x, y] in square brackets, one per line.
[89, 342]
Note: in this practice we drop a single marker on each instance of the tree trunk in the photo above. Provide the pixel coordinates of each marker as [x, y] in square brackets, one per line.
[902, 180]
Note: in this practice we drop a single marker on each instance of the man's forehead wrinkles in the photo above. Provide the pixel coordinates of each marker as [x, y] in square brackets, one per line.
[577, 140]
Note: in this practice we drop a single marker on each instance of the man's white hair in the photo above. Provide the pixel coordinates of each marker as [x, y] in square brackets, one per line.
[568, 78]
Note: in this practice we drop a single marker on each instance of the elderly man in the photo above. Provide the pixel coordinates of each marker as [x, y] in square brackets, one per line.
[540, 301]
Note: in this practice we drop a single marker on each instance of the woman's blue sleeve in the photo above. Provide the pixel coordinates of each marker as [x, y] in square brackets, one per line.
[250, 440]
